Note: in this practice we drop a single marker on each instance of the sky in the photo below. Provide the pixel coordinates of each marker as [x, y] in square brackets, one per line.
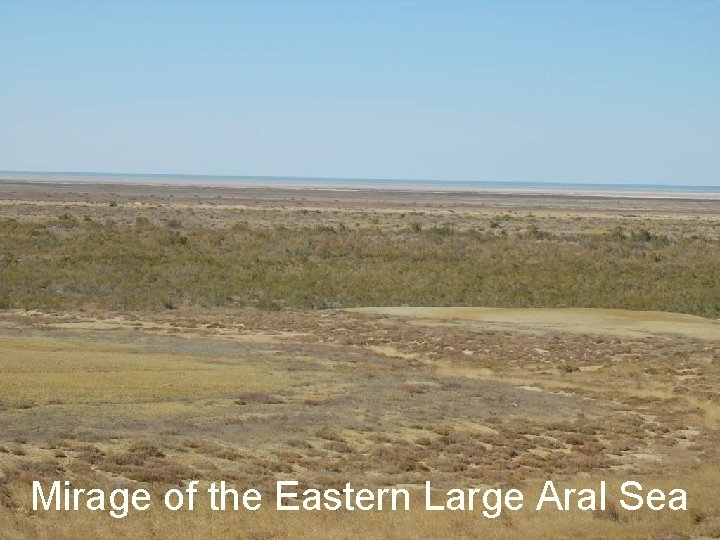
[612, 91]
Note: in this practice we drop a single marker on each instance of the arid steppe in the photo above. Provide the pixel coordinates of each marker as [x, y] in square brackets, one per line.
[151, 335]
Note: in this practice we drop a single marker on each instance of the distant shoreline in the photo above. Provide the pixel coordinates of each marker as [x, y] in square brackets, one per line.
[653, 191]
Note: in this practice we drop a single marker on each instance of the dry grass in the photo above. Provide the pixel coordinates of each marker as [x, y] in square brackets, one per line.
[255, 396]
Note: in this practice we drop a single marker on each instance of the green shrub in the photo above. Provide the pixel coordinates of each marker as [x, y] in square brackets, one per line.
[119, 267]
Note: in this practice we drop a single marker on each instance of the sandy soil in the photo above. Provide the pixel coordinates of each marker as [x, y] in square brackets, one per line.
[615, 322]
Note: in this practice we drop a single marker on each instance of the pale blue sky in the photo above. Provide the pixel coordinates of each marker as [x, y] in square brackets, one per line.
[605, 91]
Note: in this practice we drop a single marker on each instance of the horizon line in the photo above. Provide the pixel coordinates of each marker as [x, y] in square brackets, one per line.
[353, 179]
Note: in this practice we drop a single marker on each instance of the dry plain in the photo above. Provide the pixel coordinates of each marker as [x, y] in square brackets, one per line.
[150, 335]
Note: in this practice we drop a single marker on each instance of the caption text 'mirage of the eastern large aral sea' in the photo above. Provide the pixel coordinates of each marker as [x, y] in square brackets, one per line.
[218, 496]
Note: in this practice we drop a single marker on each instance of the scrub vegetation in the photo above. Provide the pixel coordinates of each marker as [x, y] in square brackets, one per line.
[133, 262]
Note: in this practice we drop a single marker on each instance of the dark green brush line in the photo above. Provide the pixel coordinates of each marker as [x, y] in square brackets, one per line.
[71, 264]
